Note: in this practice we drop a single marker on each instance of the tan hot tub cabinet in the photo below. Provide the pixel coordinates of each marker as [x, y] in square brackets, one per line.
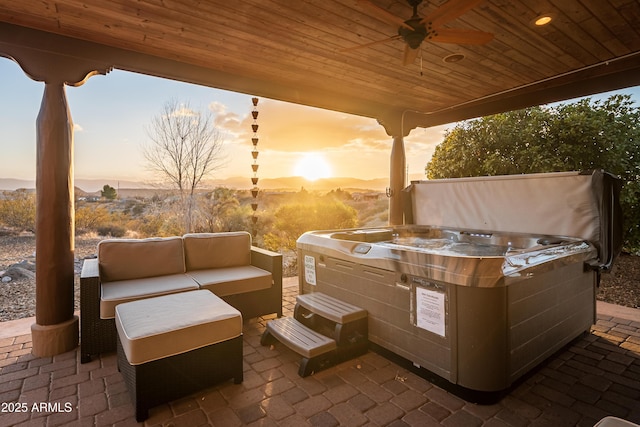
[487, 278]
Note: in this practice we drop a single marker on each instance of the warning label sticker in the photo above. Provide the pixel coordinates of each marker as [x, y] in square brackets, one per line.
[430, 311]
[310, 269]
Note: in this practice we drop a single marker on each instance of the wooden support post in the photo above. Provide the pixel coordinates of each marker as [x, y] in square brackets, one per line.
[397, 181]
[56, 328]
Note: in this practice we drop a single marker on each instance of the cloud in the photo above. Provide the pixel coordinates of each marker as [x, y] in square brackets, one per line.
[295, 128]
[77, 128]
[353, 145]
[183, 111]
[224, 120]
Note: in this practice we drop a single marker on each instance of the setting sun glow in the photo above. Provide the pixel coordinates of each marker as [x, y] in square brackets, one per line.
[312, 166]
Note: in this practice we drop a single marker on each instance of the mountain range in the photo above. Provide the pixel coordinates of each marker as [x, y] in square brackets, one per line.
[240, 183]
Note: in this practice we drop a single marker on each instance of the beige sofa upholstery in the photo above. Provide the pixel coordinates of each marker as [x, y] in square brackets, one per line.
[124, 259]
[246, 277]
[221, 263]
[217, 250]
[133, 269]
[114, 293]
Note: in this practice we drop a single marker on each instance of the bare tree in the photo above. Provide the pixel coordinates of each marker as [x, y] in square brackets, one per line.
[184, 148]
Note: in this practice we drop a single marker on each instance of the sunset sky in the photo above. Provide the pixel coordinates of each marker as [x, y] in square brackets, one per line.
[111, 113]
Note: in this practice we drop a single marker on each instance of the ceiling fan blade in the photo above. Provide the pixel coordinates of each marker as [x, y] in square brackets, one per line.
[360, 46]
[384, 15]
[461, 36]
[410, 55]
[449, 11]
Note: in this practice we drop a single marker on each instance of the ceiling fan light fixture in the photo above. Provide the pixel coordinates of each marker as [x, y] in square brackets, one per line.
[431, 27]
[453, 58]
[542, 20]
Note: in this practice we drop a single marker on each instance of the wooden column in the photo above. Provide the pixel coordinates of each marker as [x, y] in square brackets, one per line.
[56, 329]
[393, 123]
[397, 181]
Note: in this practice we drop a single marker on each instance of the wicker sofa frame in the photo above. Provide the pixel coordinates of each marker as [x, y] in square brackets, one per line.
[99, 335]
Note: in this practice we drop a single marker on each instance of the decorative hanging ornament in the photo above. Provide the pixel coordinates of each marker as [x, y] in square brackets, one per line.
[254, 154]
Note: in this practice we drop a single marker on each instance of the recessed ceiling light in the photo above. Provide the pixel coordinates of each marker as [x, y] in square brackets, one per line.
[542, 20]
[455, 57]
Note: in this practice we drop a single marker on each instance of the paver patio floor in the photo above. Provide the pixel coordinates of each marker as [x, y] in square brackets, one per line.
[595, 376]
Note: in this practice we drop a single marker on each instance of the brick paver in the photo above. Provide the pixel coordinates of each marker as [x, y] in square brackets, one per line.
[595, 376]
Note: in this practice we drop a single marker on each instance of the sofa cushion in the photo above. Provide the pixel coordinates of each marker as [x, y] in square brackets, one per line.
[156, 328]
[217, 250]
[232, 280]
[121, 291]
[123, 259]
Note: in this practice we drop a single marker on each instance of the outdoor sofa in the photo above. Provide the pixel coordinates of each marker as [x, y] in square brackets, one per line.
[246, 277]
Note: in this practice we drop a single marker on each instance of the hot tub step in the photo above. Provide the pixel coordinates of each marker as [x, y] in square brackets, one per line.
[317, 350]
[334, 318]
[331, 308]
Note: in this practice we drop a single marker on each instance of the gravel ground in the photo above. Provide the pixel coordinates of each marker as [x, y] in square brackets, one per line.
[17, 259]
[622, 285]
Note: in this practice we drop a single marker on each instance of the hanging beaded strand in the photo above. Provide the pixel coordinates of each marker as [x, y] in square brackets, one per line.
[254, 166]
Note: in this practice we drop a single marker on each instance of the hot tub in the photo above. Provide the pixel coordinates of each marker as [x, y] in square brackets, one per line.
[478, 307]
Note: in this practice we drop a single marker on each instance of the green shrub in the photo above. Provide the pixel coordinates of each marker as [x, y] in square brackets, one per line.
[292, 220]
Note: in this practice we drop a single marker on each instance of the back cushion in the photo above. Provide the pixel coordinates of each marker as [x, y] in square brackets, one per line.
[122, 259]
[217, 250]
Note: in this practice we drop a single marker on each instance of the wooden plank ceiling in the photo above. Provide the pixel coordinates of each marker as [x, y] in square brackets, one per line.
[299, 51]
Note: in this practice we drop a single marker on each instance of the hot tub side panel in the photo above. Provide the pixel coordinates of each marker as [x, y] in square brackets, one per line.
[491, 337]
[505, 332]
[388, 300]
[481, 338]
[546, 312]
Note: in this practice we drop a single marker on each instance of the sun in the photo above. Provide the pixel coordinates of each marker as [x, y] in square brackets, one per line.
[312, 166]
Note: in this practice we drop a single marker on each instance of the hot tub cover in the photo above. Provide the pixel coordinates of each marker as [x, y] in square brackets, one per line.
[583, 205]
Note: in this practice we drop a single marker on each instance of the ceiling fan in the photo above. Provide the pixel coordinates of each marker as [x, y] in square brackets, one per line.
[416, 29]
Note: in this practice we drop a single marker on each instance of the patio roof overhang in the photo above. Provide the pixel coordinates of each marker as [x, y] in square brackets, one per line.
[295, 51]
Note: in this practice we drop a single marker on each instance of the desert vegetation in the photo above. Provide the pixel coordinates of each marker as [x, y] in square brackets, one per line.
[282, 215]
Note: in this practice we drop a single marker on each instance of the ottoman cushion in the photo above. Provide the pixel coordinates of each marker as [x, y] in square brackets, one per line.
[164, 326]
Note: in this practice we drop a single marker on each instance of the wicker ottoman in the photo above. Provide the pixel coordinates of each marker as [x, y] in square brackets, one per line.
[173, 345]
